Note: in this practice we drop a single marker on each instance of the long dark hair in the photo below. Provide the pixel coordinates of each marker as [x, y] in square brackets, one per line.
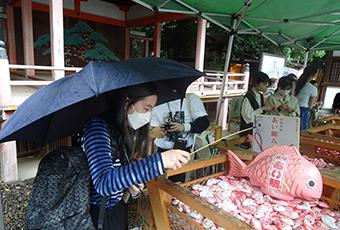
[304, 78]
[285, 83]
[134, 143]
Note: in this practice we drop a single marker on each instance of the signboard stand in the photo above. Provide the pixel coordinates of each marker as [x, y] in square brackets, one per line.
[275, 130]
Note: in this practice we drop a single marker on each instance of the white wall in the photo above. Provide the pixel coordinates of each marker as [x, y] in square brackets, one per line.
[331, 91]
[138, 11]
[336, 53]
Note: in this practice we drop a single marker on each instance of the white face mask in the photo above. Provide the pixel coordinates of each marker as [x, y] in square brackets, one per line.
[137, 120]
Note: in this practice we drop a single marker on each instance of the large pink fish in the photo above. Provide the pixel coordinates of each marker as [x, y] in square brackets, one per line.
[281, 172]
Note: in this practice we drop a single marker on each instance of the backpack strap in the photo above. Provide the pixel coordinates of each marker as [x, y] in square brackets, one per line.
[101, 214]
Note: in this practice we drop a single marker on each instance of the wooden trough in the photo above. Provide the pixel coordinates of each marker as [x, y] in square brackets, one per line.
[322, 142]
[162, 190]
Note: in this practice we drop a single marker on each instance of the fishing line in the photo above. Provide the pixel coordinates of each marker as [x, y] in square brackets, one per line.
[230, 135]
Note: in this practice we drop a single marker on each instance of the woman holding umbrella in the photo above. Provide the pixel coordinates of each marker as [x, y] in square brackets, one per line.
[113, 142]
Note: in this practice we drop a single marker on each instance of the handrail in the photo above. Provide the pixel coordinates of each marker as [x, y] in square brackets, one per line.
[40, 67]
[30, 83]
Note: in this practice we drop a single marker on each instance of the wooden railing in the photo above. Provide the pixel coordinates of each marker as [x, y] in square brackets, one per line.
[236, 83]
[41, 82]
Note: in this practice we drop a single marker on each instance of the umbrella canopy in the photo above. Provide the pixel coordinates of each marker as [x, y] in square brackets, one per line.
[62, 107]
[307, 24]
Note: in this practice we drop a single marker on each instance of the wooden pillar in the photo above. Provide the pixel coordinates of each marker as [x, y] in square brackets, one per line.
[146, 47]
[27, 33]
[126, 32]
[200, 43]
[127, 43]
[157, 39]
[11, 35]
[200, 48]
[222, 121]
[57, 38]
[8, 152]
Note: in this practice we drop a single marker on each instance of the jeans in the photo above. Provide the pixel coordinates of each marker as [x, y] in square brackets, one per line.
[304, 121]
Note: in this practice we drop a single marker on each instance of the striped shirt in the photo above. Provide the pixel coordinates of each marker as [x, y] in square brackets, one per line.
[109, 177]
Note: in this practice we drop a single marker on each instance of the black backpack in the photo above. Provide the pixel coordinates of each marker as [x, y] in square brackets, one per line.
[60, 195]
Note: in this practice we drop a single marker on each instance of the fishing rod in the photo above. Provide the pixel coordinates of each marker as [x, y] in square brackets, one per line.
[225, 137]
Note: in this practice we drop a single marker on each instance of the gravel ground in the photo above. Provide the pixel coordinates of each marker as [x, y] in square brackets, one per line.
[15, 198]
[15, 202]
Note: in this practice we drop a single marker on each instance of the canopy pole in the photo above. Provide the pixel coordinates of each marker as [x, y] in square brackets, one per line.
[226, 66]
[235, 24]
[305, 59]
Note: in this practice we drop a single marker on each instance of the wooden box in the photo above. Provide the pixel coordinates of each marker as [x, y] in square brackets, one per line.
[162, 190]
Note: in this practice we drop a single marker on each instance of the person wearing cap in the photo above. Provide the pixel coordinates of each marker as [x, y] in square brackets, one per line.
[284, 103]
[253, 102]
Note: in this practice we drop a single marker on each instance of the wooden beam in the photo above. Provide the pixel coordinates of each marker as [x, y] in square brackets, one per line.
[164, 17]
[126, 35]
[76, 6]
[57, 37]
[150, 20]
[83, 16]
[157, 200]
[197, 164]
[11, 35]
[27, 33]
[126, 43]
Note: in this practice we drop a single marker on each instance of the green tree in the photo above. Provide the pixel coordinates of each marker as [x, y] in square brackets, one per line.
[80, 42]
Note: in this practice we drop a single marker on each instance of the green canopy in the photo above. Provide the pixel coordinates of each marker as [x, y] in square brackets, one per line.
[307, 24]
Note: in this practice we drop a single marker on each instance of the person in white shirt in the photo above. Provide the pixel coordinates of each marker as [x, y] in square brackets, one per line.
[253, 101]
[174, 124]
[306, 94]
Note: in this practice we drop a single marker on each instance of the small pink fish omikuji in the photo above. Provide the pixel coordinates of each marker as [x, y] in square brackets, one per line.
[281, 172]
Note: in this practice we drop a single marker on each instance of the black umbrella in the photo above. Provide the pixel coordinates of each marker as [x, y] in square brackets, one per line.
[61, 108]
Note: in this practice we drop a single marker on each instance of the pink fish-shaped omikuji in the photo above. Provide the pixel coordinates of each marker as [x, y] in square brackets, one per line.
[281, 172]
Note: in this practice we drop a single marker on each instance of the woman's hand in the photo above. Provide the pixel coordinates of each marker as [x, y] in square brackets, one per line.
[135, 191]
[157, 132]
[176, 127]
[175, 158]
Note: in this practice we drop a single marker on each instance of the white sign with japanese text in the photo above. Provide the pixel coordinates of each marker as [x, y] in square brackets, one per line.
[275, 130]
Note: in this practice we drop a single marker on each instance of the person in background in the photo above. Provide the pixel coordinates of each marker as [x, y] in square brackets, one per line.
[174, 124]
[115, 144]
[284, 103]
[306, 94]
[314, 111]
[271, 87]
[293, 78]
[253, 104]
